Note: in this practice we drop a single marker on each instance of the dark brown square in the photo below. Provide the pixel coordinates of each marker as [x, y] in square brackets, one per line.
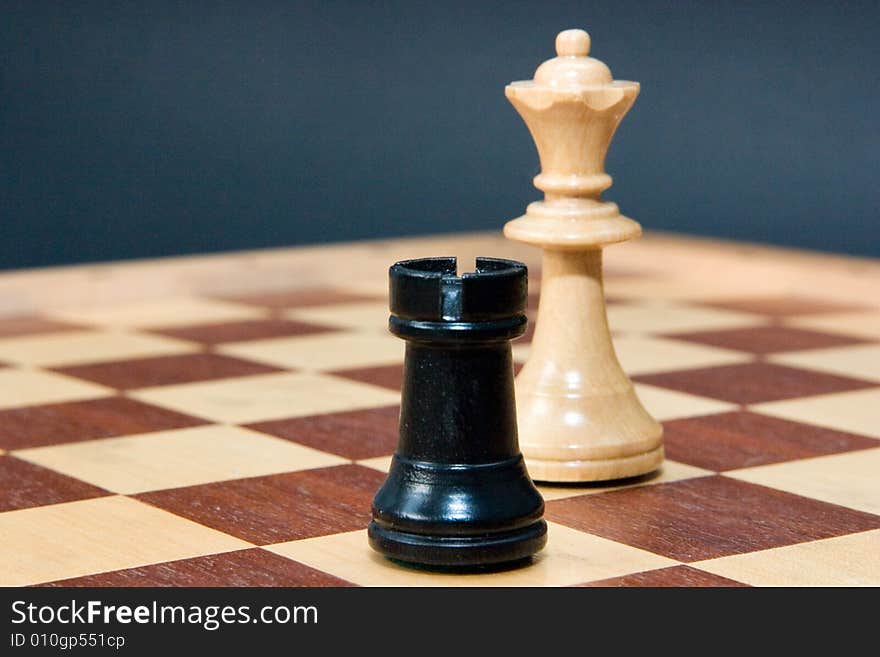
[254, 329]
[24, 485]
[674, 576]
[353, 435]
[279, 508]
[32, 325]
[767, 339]
[324, 296]
[707, 517]
[387, 376]
[616, 272]
[52, 424]
[252, 567]
[751, 383]
[165, 370]
[528, 335]
[783, 306]
[743, 439]
[532, 306]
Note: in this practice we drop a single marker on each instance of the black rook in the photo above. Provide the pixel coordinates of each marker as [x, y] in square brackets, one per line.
[458, 493]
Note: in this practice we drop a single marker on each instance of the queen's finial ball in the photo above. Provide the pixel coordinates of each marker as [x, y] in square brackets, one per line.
[573, 43]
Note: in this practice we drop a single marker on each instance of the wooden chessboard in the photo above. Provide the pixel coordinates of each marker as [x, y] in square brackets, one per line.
[225, 420]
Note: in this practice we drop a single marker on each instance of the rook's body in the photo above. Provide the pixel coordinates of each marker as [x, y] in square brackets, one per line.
[458, 493]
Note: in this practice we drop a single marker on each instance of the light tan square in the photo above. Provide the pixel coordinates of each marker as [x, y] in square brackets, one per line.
[852, 560]
[851, 479]
[857, 411]
[665, 404]
[181, 457]
[267, 397]
[161, 313]
[380, 463]
[861, 361]
[671, 471]
[571, 557]
[23, 387]
[672, 318]
[77, 347]
[59, 541]
[372, 315]
[324, 351]
[646, 355]
[690, 283]
[860, 325]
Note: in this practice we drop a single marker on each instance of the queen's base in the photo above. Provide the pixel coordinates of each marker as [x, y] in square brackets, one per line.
[544, 470]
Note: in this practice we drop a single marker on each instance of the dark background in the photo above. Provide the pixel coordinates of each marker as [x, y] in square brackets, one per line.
[153, 128]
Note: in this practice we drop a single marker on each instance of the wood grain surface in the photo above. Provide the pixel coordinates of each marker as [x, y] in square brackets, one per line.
[226, 420]
[707, 517]
[253, 567]
[165, 370]
[742, 439]
[751, 383]
[674, 576]
[51, 424]
[327, 500]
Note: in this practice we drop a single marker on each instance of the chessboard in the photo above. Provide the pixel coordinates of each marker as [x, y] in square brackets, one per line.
[225, 420]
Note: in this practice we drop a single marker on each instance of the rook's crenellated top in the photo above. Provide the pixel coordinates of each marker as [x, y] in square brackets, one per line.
[428, 299]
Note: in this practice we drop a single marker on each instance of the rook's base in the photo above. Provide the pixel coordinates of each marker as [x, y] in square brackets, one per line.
[458, 551]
